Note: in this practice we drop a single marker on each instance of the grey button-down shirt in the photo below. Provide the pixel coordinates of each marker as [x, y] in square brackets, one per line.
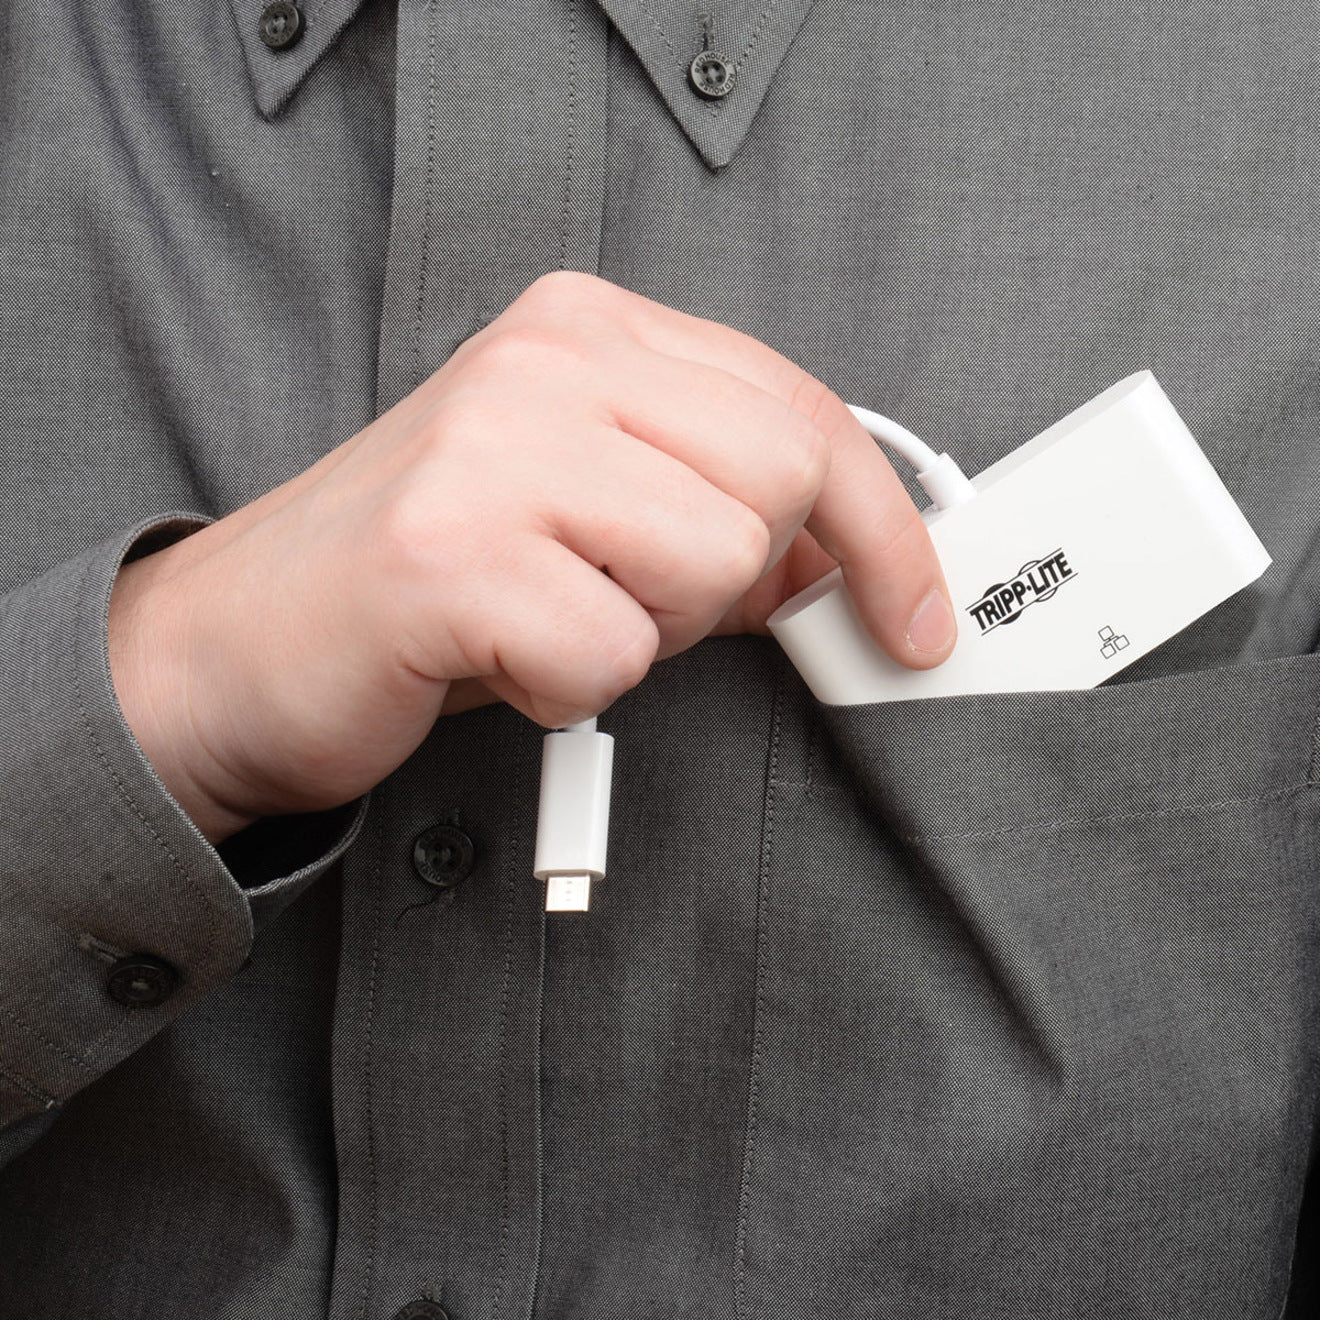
[990, 1006]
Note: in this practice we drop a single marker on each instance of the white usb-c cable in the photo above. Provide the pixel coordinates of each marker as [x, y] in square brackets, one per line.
[942, 479]
[573, 817]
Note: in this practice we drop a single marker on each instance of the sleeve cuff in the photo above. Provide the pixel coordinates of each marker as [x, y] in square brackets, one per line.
[98, 861]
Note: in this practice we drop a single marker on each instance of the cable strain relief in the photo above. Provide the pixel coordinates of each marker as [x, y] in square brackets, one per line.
[946, 483]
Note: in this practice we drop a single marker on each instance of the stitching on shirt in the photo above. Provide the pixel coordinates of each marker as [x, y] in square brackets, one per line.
[716, 108]
[427, 194]
[506, 979]
[655, 23]
[368, 1054]
[21, 1083]
[756, 36]
[601, 184]
[98, 948]
[572, 131]
[524, 868]
[1313, 766]
[1057, 826]
[51, 1045]
[758, 1009]
[208, 953]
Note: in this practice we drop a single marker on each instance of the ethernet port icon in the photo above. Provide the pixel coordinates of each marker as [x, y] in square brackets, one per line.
[1111, 643]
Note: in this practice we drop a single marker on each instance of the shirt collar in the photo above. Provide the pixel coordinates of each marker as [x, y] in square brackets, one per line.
[276, 74]
[666, 36]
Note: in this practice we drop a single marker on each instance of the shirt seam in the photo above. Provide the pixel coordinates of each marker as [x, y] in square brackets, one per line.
[564, 214]
[756, 36]
[1313, 766]
[53, 1046]
[368, 1060]
[758, 1007]
[506, 981]
[1076, 822]
[717, 107]
[427, 192]
[655, 22]
[31, 1089]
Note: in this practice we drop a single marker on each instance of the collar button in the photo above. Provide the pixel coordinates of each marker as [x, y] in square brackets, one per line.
[281, 24]
[712, 75]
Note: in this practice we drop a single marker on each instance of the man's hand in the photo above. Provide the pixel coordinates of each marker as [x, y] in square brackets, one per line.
[592, 482]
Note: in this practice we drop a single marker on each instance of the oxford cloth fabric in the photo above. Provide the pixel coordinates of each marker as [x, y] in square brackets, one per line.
[989, 1006]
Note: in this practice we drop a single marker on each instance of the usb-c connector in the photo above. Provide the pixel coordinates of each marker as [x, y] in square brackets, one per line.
[573, 820]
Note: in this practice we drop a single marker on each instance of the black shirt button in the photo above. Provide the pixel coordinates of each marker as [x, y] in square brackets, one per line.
[711, 75]
[141, 980]
[443, 856]
[422, 1309]
[281, 24]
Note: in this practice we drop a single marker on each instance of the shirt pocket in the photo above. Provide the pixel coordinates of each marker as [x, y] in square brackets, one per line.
[1037, 992]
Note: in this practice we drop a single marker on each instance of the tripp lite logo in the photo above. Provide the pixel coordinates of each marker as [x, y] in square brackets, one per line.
[1036, 580]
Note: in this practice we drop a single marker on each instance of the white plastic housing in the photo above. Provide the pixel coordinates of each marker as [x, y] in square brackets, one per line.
[1149, 536]
[572, 826]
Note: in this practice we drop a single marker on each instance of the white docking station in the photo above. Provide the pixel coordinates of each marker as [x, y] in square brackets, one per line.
[1080, 551]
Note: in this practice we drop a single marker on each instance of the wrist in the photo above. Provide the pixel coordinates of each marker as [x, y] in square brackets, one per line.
[147, 637]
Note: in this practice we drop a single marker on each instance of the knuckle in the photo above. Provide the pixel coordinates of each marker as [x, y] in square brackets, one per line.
[748, 543]
[566, 289]
[403, 537]
[810, 397]
[826, 412]
[463, 422]
[898, 528]
[576, 306]
[627, 660]
[813, 462]
[518, 350]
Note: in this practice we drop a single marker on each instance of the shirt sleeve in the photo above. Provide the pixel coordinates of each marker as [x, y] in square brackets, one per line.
[116, 912]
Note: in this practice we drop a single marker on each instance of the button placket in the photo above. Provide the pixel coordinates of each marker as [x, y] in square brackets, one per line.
[445, 1001]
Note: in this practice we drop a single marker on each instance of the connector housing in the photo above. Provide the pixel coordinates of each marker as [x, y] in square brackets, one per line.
[572, 828]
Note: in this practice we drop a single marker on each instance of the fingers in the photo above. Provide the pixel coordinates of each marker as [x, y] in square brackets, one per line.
[681, 547]
[862, 515]
[753, 446]
[865, 520]
[564, 641]
[466, 694]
